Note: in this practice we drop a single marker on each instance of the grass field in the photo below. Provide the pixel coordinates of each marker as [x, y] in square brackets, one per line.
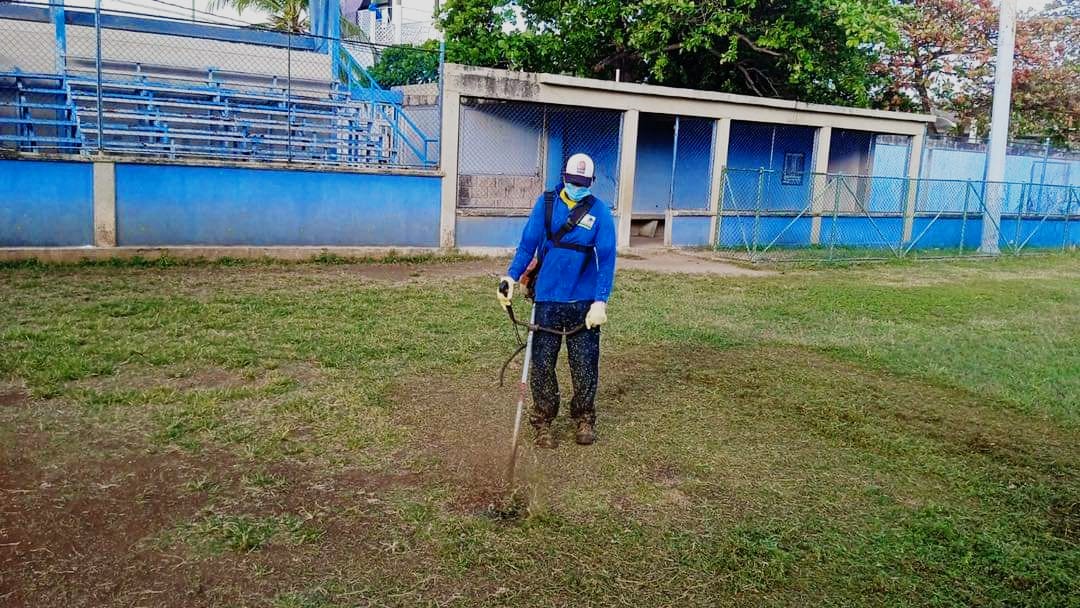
[330, 434]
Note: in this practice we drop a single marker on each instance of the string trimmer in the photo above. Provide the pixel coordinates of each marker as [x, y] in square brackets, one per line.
[523, 345]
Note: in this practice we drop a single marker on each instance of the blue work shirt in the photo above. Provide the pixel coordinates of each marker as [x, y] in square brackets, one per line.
[566, 276]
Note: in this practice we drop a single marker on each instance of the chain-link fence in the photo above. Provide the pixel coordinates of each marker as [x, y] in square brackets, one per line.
[509, 152]
[1026, 162]
[843, 217]
[114, 82]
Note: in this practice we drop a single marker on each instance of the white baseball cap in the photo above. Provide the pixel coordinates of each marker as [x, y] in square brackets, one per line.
[580, 170]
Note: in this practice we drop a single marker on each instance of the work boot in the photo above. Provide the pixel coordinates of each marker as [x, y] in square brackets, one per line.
[545, 438]
[586, 433]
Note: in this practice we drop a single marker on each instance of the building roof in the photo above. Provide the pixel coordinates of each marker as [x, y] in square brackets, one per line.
[490, 83]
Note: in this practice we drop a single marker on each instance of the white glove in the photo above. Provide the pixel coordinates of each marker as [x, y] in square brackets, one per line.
[506, 284]
[596, 316]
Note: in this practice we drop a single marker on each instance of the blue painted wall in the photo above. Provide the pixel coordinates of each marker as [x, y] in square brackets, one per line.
[693, 164]
[483, 231]
[488, 231]
[592, 132]
[861, 231]
[180, 205]
[746, 231]
[46, 204]
[889, 160]
[655, 148]
[756, 146]
[689, 231]
[941, 163]
[849, 152]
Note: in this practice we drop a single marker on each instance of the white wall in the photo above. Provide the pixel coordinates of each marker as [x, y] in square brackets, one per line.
[30, 46]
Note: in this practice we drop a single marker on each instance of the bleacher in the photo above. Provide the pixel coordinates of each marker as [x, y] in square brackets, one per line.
[176, 110]
[38, 114]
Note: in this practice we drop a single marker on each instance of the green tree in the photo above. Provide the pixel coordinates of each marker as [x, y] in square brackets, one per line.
[815, 50]
[407, 64]
[946, 61]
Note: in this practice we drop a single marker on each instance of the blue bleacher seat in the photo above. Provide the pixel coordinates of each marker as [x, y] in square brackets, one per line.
[164, 111]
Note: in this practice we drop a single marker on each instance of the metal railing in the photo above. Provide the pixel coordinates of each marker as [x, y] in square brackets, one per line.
[93, 81]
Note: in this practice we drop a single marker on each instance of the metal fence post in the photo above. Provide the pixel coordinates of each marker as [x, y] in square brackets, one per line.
[1019, 214]
[757, 212]
[963, 219]
[720, 206]
[288, 99]
[439, 101]
[1068, 215]
[97, 69]
[835, 212]
[674, 167]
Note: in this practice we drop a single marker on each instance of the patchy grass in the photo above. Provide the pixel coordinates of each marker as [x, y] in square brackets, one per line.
[245, 533]
[332, 435]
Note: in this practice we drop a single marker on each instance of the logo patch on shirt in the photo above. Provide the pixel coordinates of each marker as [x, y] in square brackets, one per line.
[587, 221]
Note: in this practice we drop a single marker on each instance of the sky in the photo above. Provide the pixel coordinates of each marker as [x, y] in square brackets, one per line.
[415, 10]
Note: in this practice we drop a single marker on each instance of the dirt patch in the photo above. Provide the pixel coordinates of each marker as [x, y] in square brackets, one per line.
[72, 535]
[112, 532]
[746, 420]
[673, 261]
[13, 396]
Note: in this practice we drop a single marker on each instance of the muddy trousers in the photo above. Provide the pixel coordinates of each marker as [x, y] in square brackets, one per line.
[583, 349]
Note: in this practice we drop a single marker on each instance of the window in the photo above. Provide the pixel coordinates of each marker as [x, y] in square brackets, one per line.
[794, 167]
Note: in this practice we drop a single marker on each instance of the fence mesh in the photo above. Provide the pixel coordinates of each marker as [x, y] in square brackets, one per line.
[840, 217]
[128, 84]
[509, 152]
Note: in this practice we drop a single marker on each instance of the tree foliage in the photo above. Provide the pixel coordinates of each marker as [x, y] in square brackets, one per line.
[407, 64]
[815, 50]
[945, 60]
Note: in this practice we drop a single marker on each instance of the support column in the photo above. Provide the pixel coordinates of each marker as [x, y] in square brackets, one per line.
[822, 139]
[56, 15]
[448, 162]
[721, 141]
[104, 205]
[627, 168]
[914, 168]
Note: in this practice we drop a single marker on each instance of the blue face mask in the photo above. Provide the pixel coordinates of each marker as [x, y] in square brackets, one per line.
[576, 193]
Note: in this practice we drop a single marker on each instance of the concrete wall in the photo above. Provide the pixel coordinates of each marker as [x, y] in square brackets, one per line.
[28, 43]
[757, 146]
[489, 231]
[181, 205]
[691, 231]
[693, 164]
[1030, 166]
[656, 187]
[68, 203]
[655, 149]
[573, 130]
[46, 204]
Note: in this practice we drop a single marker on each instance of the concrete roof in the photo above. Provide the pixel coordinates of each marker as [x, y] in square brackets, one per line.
[784, 104]
[489, 83]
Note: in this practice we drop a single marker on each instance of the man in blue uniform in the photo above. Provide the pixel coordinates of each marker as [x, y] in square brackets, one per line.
[577, 251]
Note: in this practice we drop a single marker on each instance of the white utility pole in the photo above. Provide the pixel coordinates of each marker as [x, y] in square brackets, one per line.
[999, 128]
[398, 17]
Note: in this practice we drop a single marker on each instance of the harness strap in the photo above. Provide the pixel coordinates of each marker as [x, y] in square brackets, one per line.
[576, 214]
